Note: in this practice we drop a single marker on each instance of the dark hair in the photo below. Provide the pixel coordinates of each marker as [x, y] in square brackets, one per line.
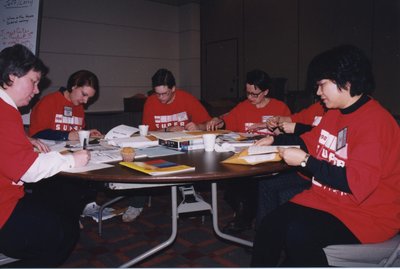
[163, 77]
[83, 78]
[18, 60]
[343, 64]
[259, 79]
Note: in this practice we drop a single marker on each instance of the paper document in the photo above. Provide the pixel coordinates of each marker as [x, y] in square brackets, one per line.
[134, 142]
[54, 145]
[157, 151]
[105, 156]
[253, 150]
[121, 131]
[88, 167]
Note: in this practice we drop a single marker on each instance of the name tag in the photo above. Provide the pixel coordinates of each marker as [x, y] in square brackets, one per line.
[341, 139]
[67, 111]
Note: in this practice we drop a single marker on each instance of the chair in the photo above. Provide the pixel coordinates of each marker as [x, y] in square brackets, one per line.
[385, 254]
[6, 260]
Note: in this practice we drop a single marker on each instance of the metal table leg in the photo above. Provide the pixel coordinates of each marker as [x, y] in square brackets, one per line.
[166, 243]
[215, 220]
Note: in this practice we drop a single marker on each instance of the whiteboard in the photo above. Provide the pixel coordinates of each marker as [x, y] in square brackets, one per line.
[19, 23]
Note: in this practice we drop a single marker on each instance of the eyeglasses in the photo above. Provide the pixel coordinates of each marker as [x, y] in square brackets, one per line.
[252, 94]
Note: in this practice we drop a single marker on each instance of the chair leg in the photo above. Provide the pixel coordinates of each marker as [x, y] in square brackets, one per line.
[149, 202]
[101, 209]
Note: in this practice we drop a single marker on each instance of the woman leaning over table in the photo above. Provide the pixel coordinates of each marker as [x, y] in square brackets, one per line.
[40, 234]
[353, 155]
[60, 115]
[250, 115]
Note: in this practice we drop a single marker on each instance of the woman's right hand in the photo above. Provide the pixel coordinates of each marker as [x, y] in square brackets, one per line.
[214, 124]
[266, 141]
[273, 123]
[81, 157]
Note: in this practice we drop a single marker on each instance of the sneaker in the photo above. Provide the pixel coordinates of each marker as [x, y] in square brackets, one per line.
[131, 214]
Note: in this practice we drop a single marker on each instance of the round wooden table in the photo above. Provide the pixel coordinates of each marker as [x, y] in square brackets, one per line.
[208, 167]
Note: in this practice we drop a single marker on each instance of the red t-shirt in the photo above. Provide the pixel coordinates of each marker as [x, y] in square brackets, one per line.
[185, 108]
[246, 114]
[55, 112]
[367, 143]
[16, 156]
[310, 115]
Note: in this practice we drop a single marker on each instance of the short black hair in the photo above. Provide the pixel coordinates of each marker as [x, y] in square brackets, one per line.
[163, 77]
[259, 79]
[18, 60]
[343, 64]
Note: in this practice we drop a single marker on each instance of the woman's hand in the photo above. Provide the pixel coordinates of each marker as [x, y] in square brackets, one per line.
[81, 157]
[39, 145]
[73, 136]
[273, 123]
[292, 156]
[191, 126]
[214, 124]
[256, 127]
[266, 141]
[96, 133]
[287, 127]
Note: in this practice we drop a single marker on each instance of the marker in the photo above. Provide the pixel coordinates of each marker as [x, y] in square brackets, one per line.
[84, 143]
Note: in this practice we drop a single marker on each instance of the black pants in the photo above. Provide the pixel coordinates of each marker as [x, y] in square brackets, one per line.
[39, 232]
[278, 189]
[302, 233]
[242, 193]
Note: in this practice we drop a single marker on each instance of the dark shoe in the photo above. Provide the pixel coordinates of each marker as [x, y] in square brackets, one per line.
[236, 226]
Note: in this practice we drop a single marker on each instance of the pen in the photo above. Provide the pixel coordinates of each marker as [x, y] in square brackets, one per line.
[84, 143]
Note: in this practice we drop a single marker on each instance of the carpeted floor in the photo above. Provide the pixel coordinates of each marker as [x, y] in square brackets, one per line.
[195, 246]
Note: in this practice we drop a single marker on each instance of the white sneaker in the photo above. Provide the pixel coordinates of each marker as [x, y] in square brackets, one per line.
[131, 214]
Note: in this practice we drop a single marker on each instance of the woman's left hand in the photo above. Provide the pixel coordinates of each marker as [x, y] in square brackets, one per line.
[292, 156]
[41, 147]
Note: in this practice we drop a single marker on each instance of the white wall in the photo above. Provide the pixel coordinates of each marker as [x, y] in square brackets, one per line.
[123, 42]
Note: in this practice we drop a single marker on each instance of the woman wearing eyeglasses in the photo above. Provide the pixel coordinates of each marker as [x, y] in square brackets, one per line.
[252, 114]
[249, 116]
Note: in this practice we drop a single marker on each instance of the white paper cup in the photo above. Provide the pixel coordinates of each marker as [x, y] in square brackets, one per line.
[209, 142]
[143, 129]
[84, 134]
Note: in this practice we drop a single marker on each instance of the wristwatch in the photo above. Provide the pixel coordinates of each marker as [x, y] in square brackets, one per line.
[304, 162]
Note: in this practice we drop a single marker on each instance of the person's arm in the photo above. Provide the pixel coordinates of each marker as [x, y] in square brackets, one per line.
[41, 169]
[300, 128]
[49, 164]
[325, 172]
[148, 115]
[328, 174]
[52, 135]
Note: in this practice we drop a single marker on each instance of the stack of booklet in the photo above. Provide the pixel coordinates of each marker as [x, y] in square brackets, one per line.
[158, 167]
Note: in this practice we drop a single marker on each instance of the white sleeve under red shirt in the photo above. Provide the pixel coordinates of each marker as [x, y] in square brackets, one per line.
[55, 112]
[17, 157]
[184, 109]
[367, 143]
[246, 114]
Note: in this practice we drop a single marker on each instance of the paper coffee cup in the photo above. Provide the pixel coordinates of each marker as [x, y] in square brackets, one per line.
[143, 130]
[84, 134]
[209, 142]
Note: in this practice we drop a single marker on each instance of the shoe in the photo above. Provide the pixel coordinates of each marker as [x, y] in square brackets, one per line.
[236, 226]
[131, 214]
